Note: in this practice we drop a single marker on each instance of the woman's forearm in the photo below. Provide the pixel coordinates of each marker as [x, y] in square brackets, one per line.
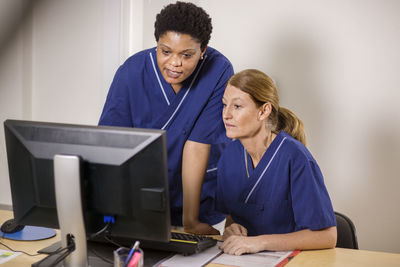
[194, 165]
[302, 240]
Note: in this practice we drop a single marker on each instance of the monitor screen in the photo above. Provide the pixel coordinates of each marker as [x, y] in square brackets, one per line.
[123, 175]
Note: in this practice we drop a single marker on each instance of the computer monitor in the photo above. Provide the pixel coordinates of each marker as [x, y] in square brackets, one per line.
[122, 174]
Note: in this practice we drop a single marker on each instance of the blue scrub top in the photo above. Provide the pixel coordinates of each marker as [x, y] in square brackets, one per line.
[140, 97]
[284, 193]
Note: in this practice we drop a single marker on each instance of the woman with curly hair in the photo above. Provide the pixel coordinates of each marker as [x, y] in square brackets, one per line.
[177, 86]
[268, 181]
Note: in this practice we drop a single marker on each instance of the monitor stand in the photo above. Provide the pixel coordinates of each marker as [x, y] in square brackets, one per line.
[67, 180]
[30, 233]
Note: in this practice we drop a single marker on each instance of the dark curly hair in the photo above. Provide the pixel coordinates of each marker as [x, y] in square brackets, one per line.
[184, 18]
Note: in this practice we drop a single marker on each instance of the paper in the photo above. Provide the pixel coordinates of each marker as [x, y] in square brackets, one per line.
[264, 259]
[6, 255]
[195, 260]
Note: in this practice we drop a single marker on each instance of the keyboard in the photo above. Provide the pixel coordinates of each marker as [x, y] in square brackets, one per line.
[182, 243]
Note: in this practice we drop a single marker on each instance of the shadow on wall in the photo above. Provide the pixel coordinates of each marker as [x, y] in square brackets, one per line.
[381, 169]
[296, 60]
[12, 14]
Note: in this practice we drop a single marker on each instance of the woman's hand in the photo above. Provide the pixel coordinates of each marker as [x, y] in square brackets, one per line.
[201, 229]
[238, 245]
[234, 229]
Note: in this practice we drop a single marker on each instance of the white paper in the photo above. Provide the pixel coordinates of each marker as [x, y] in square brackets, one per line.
[6, 255]
[261, 259]
[194, 260]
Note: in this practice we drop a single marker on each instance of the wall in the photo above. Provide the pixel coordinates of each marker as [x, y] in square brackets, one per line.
[335, 63]
[14, 87]
[57, 62]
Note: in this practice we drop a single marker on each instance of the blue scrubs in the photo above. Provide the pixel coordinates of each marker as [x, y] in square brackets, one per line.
[140, 97]
[284, 193]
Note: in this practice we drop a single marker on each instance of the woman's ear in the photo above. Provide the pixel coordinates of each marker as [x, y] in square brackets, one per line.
[265, 111]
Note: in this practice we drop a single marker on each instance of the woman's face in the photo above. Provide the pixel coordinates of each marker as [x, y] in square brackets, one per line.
[177, 57]
[242, 118]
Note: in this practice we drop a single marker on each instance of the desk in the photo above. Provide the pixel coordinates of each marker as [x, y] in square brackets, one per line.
[328, 257]
[342, 257]
[30, 247]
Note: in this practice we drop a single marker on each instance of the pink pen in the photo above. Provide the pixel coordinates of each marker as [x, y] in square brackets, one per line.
[134, 260]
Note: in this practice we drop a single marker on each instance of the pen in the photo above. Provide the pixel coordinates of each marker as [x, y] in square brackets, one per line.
[134, 247]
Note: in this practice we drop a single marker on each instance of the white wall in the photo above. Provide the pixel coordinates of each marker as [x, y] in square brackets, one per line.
[14, 99]
[336, 64]
[57, 63]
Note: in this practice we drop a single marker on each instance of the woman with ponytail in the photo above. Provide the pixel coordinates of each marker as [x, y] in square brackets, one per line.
[269, 184]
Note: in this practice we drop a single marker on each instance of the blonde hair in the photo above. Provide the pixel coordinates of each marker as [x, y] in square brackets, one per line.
[262, 89]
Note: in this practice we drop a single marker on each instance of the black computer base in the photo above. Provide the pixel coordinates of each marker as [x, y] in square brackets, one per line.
[97, 255]
[99, 252]
[50, 249]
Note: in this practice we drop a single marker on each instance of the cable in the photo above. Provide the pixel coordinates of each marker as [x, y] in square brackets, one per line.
[106, 230]
[112, 241]
[99, 232]
[26, 253]
[67, 249]
[101, 257]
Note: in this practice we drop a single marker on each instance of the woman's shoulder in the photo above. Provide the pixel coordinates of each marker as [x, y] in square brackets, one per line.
[294, 148]
[140, 57]
[213, 55]
[136, 63]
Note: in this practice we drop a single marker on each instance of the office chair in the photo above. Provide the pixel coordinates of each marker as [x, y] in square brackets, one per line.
[346, 232]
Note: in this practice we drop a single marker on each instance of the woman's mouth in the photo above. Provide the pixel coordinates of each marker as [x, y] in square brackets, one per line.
[228, 125]
[173, 74]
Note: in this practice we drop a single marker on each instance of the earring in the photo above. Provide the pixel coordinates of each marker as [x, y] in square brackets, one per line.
[201, 58]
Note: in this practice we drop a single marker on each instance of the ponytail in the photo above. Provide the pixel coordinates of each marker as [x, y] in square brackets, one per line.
[290, 123]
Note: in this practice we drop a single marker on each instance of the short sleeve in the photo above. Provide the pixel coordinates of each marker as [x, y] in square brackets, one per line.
[116, 109]
[311, 203]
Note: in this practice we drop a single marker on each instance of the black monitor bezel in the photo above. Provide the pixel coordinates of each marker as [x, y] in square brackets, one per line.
[156, 216]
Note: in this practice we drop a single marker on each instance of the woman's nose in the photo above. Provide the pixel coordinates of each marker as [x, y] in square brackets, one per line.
[226, 114]
[176, 61]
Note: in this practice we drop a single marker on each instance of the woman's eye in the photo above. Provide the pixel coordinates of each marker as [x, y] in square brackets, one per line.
[187, 55]
[237, 106]
[165, 52]
[223, 105]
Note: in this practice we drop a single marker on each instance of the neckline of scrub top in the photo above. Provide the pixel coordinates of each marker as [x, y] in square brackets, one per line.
[269, 155]
[182, 91]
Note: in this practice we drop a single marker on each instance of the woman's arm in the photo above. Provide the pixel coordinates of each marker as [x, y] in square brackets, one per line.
[194, 165]
[301, 240]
